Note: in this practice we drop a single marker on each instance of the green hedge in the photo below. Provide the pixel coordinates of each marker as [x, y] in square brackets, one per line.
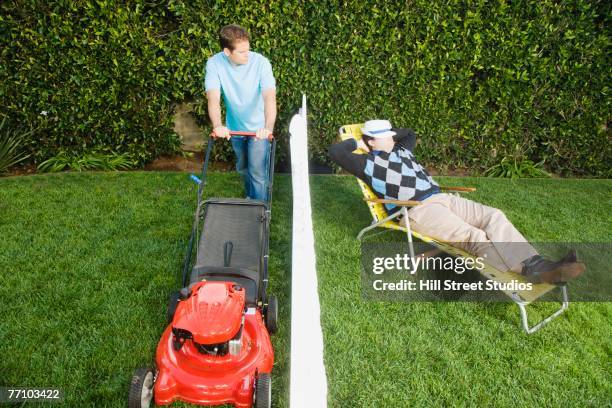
[475, 79]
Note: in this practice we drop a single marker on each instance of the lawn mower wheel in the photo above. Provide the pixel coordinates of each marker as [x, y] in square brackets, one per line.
[141, 388]
[272, 315]
[263, 391]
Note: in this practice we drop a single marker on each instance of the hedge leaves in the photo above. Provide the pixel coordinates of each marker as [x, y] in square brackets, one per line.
[473, 78]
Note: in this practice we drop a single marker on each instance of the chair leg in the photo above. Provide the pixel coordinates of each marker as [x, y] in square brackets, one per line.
[374, 225]
[523, 308]
[366, 229]
[408, 231]
[404, 213]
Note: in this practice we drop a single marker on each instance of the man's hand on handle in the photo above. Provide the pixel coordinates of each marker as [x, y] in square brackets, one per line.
[221, 132]
[263, 133]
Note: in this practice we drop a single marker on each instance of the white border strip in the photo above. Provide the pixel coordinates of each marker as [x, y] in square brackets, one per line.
[308, 388]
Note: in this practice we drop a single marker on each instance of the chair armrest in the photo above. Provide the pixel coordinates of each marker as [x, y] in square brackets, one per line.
[406, 203]
[464, 189]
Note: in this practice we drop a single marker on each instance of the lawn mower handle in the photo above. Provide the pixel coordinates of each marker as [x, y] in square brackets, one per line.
[241, 133]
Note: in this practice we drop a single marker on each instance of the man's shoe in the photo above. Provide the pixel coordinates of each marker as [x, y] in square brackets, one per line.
[537, 270]
[570, 257]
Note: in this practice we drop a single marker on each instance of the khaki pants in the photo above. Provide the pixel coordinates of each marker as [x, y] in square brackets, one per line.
[480, 230]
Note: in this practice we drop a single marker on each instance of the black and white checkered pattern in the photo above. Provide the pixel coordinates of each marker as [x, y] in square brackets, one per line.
[398, 176]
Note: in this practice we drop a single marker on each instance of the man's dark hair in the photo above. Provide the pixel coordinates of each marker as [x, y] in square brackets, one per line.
[230, 34]
[366, 140]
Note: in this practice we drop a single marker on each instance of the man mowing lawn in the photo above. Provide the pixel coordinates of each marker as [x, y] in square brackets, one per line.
[249, 92]
[391, 170]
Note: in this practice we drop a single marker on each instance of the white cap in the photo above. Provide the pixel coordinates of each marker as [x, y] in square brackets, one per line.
[377, 128]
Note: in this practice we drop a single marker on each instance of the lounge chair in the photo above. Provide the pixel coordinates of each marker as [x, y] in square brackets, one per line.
[381, 219]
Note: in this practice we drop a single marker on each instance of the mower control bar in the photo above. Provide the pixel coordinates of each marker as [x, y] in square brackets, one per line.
[242, 133]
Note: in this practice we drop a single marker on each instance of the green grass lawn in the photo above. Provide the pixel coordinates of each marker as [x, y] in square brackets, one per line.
[383, 354]
[87, 262]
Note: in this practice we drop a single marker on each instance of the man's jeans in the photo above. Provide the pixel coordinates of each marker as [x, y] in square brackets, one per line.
[253, 163]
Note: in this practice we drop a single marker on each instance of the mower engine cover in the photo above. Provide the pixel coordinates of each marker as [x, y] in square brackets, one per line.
[213, 313]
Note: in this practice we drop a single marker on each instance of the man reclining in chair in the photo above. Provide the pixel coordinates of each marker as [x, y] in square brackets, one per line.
[391, 170]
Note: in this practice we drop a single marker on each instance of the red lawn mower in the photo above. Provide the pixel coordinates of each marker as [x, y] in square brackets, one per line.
[216, 349]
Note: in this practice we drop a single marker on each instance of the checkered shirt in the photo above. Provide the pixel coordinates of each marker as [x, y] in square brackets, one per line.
[398, 176]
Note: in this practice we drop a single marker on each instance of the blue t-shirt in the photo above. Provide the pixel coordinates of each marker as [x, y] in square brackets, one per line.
[241, 87]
